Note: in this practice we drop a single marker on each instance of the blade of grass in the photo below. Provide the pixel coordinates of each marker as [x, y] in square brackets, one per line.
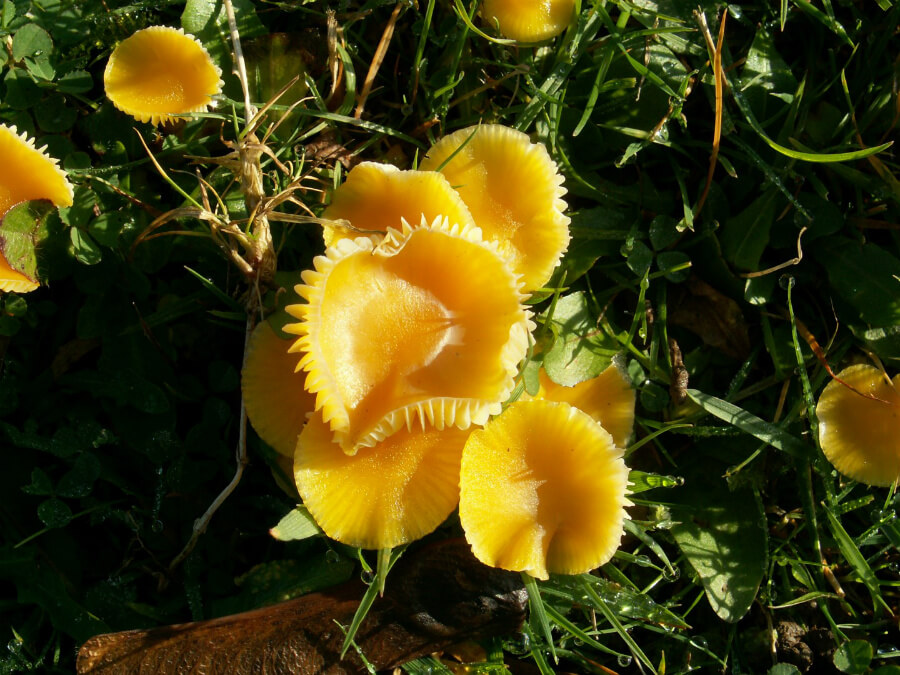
[620, 629]
[750, 424]
[538, 611]
[853, 556]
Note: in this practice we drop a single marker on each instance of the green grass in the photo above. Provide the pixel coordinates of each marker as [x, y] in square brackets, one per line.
[119, 381]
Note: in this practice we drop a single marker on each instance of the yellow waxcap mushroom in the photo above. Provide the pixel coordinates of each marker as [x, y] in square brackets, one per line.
[159, 73]
[276, 402]
[376, 196]
[608, 398]
[860, 436]
[426, 325]
[384, 496]
[542, 490]
[513, 191]
[13, 281]
[28, 173]
[529, 20]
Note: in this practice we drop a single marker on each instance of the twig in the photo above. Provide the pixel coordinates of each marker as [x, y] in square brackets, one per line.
[202, 522]
[249, 110]
[377, 59]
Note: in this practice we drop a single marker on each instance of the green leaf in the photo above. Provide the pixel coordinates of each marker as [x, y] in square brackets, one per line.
[297, 524]
[883, 341]
[675, 266]
[745, 237]
[582, 350]
[853, 657]
[208, 22]
[641, 481]
[865, 276]
[750, 424]
[783, 669]
[40, 484]
[723, 535]
[21, 91]
[75, 82]
[79, 481]
[54, 512]
[22, 230]
[766, 76]
[31, 40]
[852, 555]
[86, 250]
[54, 116]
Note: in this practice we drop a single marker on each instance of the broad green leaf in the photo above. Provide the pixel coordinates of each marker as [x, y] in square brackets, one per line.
[298, 524]
[54, 512]
[54, 116]
[641, 481]
[582, 350]
[723, 535]
[783, 669]
[21, 91]
[207, 20]
[85, 248]
[865, 276]
[745, 237]
[766, 76]
[75, 82]
[31, 40]
[853, 657]
[22, 230]
[883, 341]
[750, 424]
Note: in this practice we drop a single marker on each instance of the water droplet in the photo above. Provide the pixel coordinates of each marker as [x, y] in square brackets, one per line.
[700, 642]
[642, 560]
[520, 644]
[671, 574]
[332, 556]
[367, 576]
[624, 660]
[786, 281]
[157, 526]
[886, 649]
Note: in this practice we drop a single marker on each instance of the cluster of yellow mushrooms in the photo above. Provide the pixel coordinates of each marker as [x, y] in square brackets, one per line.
[392, 401]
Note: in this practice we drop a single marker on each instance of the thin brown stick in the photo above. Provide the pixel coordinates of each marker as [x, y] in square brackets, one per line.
[240, 65]
[377, 59]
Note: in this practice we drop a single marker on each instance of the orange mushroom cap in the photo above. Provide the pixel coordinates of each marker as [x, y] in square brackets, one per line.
[860, 436]
[377, 196]
[393, 493]
[276, 402]
[428, 324]
[28, 173]
[608, 398]
[159, 73]
[542, 490]
[513, 191]
[528, 20]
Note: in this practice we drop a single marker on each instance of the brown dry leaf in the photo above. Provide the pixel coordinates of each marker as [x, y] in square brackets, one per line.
[714, 317]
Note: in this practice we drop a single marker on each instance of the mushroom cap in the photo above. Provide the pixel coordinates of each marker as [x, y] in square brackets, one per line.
[276, 402]
[542, 490]
[28, 173]
[13, 281]
[377, 196]
[159, 73]
[529, 20]
[428, 324]
[513, 191]
[608, 398]
[861, 436]
[393, 493]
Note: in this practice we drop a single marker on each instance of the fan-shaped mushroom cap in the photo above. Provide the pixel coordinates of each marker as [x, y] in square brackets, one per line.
[608, 398]
[384, 496]
[428, 324]
[27, 173]
[861, 436]
[542, 490]
[513, 191]
[529, 20]
[377, 196]
[274, 397]
[159, 73]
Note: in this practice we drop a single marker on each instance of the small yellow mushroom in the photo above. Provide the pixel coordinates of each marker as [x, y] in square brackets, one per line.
[276, 402]
[427, 325]
[529, 20]
[513, 191]
[376, 197]
[608, 398]
[393, 493]
[860, 436]
[26, 173]
[160, 73]
[542, 490]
